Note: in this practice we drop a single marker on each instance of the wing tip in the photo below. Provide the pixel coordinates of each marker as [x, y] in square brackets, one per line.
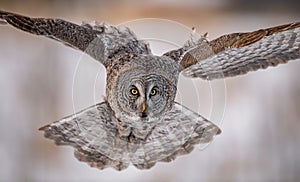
[44, 128]
[219, 131]
[2, 19]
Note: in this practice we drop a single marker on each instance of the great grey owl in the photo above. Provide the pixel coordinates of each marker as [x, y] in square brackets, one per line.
[139, 122]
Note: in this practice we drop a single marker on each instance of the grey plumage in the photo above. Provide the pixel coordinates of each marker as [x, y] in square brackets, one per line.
[94, 134]
[139, 123]
[269, 51]
[101, 41]
[238, 53]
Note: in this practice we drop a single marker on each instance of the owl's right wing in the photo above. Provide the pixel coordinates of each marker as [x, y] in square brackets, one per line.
[238, 53]
[100, 41]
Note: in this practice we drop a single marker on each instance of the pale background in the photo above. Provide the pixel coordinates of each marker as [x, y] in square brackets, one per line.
[260, 139]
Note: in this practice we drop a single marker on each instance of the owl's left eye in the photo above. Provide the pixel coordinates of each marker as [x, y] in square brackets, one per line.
[153, 92]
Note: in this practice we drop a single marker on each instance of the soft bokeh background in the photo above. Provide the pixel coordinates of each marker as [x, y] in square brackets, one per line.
[260, 139]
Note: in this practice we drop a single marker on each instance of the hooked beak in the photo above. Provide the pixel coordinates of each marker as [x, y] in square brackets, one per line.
[143, 107]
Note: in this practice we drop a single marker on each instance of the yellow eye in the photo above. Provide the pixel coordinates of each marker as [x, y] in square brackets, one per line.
[134, 91]
[153, 92]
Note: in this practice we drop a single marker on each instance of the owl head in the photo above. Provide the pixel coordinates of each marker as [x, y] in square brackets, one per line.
[141, 88]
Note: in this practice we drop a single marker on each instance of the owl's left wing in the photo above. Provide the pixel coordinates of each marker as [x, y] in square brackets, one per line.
[238, 53]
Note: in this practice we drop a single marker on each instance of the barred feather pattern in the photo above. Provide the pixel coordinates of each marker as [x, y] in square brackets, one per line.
[93, 133]
[139, 128]
[100, 40]
[271, 50]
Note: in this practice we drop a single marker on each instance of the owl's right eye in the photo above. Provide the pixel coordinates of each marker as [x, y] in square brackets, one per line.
[134, 91]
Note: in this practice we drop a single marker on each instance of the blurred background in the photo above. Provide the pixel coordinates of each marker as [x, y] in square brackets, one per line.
[42, 81]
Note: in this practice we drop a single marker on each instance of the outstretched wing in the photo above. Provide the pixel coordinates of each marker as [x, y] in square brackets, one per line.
[100, 41]
[238, 53]
[93, 133]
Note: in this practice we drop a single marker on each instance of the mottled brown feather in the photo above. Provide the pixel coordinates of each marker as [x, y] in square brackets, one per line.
[238, 40]
[205, 49]
[239, 53]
